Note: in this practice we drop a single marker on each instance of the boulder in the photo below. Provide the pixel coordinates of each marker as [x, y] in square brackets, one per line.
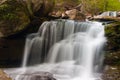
[71, 13]
[13, 17]
[75, 15]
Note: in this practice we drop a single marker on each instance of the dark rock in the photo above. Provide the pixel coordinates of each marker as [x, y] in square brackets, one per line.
[107, 18]
[37, 76]
[11, 51]
[42, 76]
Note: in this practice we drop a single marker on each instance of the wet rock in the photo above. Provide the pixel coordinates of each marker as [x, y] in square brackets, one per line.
[118, 14]
[42, 76]
[4, 76]
[11, 51]
[13, 19]
[37, 76]
[111, 73]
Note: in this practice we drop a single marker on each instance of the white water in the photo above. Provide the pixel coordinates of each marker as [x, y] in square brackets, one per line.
[109, 13]
[72, 50]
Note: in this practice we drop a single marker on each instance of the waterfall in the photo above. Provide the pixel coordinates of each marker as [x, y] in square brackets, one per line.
[69, 49]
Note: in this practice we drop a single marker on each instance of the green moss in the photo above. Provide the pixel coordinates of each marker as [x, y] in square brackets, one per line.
[13, 17]
[7, 11]
[4, 7]
[9, 17]
[113, 5]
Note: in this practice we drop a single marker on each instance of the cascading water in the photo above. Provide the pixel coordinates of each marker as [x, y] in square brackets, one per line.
[109, 13]
[70, 50]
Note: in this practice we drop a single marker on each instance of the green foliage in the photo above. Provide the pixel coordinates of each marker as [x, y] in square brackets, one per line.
[113, 5]
[98, 6]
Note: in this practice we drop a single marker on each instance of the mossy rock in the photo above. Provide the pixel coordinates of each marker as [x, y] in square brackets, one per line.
[112, 32]
[13, 18]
